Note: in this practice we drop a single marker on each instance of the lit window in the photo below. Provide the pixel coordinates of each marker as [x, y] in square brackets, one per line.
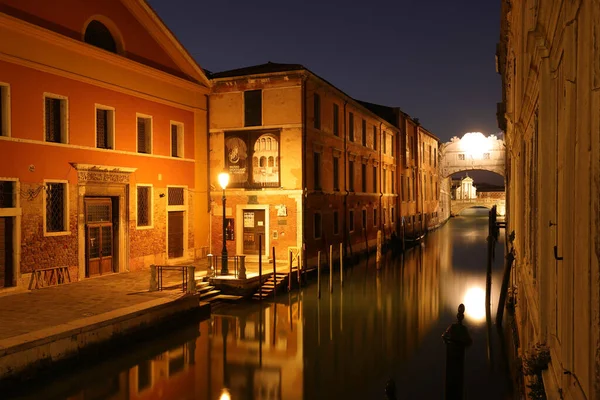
[55, 118]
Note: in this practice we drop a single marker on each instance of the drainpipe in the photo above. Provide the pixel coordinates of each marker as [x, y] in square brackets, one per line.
[208, 172]
[381, 139]
[304, 183]
[345, 233]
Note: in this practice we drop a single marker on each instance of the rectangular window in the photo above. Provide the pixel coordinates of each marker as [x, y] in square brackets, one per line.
[351, 127]
[435, 157]
[336, 223]
[385, 143]
[105, 127]
[364, 219]
[56, 207]
[144, 206]
[363, 176]
[317, 170]
[374, 179]
[351, 220]
[392, 215]
[461, 157]
[351, 176]
[318, 225]
[336, 173]
[7, 194]
[430, 156]
[393, 183]
[384, 180]
[176, 139]
[385, 216]
[364, 133]
[374, 137]
[317, 110]
[374, 217]
[55, 119]
[336, 120]
[144, 134]
[253, 108]
[4, 110]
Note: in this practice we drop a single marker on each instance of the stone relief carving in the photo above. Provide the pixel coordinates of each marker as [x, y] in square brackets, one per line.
[103, 177]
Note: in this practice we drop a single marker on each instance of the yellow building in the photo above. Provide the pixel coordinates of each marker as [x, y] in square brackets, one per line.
[549, 60]
[309, 165]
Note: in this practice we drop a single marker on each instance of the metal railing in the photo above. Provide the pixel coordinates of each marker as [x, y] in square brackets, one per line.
[187, 277]
[236, 266]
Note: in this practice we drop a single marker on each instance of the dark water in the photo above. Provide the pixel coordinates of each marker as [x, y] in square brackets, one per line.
[382, 324]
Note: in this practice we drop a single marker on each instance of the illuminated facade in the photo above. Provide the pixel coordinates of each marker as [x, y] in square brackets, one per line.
[103, 127]
[309, 164]
[550, 65]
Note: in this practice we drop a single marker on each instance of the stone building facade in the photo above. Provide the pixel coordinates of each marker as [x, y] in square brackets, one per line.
[103, 120]
[550, 65]
[344, 169]
[335, 164]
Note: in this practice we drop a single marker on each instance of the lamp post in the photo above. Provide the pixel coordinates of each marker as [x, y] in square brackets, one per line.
[223, 181]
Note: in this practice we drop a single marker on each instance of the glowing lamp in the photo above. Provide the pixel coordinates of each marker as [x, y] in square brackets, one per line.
[223, 180]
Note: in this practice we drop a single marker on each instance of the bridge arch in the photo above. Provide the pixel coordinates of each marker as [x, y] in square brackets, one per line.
[474, 151]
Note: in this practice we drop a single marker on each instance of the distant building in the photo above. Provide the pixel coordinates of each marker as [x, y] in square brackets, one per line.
[103, 127]
[465, 190]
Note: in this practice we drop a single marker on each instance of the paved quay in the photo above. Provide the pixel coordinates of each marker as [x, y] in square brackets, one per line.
[56, 322]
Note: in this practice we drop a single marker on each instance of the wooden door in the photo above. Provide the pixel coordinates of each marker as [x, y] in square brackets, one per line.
[176, 234]
[99, 236]
[254, 227]
[6, 251]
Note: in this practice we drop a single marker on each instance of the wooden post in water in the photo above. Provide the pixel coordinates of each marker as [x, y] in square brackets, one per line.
[260, 266]
[300, 261]
[290, 273]
[274, 274]
[341, 267]
[319, 274]
[330, 277]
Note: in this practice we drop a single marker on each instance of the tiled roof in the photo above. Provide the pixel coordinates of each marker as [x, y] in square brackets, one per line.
[267, 68]
[387, 113]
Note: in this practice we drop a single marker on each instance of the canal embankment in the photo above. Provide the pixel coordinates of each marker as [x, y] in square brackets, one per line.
[42, 328]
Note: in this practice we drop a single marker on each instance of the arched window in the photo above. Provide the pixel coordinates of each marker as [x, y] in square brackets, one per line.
[97, 34]
[263, 162]
[271, 161]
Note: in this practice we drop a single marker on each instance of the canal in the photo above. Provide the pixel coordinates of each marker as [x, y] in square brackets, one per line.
[382, 324]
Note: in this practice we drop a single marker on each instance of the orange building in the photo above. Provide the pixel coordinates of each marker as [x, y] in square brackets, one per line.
[309, 165]
[103, 119]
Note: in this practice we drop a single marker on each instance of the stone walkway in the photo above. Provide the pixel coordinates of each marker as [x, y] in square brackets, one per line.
[27, 312]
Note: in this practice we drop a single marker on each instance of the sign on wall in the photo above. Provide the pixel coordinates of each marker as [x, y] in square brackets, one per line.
[252, 158]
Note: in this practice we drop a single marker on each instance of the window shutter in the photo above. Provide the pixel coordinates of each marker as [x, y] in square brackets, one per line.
[174, 143]
[141, 126]
[102, 129]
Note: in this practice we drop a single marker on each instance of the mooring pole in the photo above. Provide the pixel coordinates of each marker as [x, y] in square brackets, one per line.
[274, 274]
[457, 339]
[319, 274]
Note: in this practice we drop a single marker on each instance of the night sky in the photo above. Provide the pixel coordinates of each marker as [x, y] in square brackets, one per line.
[432, 58]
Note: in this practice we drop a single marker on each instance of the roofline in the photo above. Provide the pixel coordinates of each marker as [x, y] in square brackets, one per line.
[174, 41]
[308, 72]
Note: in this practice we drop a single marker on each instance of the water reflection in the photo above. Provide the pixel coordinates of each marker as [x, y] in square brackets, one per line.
[382, 323]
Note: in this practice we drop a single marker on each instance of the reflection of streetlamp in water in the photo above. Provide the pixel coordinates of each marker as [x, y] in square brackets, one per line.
[225, 333]
[223, 182]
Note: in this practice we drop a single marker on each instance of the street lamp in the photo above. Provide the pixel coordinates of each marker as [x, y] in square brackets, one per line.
[223, 181]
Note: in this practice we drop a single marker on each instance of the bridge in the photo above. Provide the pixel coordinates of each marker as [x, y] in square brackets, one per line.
[460, 205]
[473, 151]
